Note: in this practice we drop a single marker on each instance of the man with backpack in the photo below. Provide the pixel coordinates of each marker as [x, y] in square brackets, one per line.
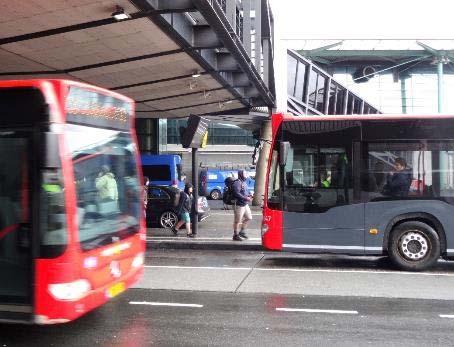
[242, 212]
[184, 210]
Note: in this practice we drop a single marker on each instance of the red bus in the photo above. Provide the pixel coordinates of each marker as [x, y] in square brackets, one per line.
[362, 185]
[72, 232]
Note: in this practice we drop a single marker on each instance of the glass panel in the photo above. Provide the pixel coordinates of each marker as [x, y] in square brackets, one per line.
[399, 170]
[291, 66]
[312, 88]
[157, 193]
[351, 100]
[332, 98]
[15, 199]
[320, 93]
[340, 101]
[300, 79]
[316, 178]
[357, 106]
[157, 172]
[274, 182]
[108, 192]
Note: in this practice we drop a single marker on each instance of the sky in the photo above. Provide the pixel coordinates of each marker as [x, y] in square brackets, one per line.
[366, 19]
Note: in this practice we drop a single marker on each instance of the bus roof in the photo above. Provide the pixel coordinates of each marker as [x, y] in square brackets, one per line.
[289, 117]
[41, 84]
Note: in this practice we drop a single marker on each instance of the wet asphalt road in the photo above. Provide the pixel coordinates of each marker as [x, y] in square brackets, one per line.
[226, 319]
[239, 298]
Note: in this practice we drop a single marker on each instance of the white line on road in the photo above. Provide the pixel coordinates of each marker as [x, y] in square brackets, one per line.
[171, 304]
[446, 315]
[226, 213]
[300, 270]
[197, 267]
[219, 239]
[311, 310]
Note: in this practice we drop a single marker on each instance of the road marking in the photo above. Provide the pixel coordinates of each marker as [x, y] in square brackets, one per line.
[446, 315]
[230, 213]
[218, 239]
[311, 310]
[197, 267]
[299, 270]
[171, 304]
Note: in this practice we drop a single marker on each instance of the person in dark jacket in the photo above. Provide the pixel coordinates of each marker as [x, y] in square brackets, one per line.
[398, 182]
[184, 208]
[242, 212]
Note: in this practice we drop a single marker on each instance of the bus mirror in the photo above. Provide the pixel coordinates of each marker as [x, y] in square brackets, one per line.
[51, 151]
[284, 148]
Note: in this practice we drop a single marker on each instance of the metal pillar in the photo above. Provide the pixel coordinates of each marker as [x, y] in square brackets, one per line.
[440, 84]
[260, 170]
[195, 191]
[403, 95]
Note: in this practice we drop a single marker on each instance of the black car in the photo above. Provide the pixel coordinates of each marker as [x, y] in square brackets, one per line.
[162, 209]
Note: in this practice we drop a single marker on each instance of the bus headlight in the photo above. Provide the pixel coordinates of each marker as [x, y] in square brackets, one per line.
[265, 228]
[71, 291]
[138, 260]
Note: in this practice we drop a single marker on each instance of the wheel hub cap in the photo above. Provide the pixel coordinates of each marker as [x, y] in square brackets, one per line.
[414, 246]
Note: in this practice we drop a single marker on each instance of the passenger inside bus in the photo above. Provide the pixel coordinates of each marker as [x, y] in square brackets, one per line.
[106, 184]
[398, 181]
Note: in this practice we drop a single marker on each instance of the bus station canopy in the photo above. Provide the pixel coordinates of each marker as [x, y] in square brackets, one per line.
[175, 58]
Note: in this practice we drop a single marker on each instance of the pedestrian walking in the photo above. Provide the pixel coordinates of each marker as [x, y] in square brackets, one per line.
[184, 211]
[242, 212]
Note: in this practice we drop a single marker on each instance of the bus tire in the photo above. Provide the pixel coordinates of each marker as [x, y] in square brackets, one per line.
[414, 246]
[168, 219]
[215, 194]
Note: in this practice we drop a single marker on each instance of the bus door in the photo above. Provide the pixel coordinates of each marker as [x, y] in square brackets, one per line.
[321, 213]
[15, 225]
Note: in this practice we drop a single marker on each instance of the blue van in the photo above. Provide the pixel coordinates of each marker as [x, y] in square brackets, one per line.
[212, 181]
[163, 169]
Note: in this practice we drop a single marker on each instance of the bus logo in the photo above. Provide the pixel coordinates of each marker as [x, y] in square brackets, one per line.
[115, 270]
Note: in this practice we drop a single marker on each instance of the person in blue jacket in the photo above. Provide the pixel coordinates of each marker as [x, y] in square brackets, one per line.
[242, 212]
[398, 182]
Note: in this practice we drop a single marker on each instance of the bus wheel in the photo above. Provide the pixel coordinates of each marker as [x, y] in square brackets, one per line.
[414, 246]
[168, 219]
[215, 194]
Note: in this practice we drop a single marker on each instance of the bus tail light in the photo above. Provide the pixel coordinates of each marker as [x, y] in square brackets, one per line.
[265, 228]
[71, 291]
[138, 260]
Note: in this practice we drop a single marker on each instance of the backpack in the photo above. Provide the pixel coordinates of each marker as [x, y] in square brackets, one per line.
[227, 196]
[176, 201]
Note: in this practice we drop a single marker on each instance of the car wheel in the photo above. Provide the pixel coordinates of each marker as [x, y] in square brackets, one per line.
[168, 219]
[215, 194]
[414, 246]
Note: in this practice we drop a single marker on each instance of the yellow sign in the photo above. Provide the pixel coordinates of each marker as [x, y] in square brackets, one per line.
[116, 289]
[205, 140]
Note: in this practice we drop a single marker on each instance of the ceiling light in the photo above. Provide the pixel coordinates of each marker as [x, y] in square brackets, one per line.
[192, 85]
[228, 101]
[120, 14]
[196, 74]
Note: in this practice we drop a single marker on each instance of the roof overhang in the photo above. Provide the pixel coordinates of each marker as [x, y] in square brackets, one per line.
[151, 57]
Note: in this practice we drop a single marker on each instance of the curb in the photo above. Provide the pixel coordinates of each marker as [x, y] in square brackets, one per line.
[200, 245]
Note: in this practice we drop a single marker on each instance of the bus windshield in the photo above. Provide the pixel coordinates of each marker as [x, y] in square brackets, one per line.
[107, 184]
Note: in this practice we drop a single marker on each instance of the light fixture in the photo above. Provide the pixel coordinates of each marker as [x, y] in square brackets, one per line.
[192, 85]
[228, 101]
[206, 94]
[119, 14]
[196, 73]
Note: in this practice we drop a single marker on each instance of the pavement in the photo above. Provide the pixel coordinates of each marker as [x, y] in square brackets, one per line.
[293, 274]
[214, 233]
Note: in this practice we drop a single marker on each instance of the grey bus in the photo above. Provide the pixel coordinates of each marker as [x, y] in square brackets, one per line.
[362, 185]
